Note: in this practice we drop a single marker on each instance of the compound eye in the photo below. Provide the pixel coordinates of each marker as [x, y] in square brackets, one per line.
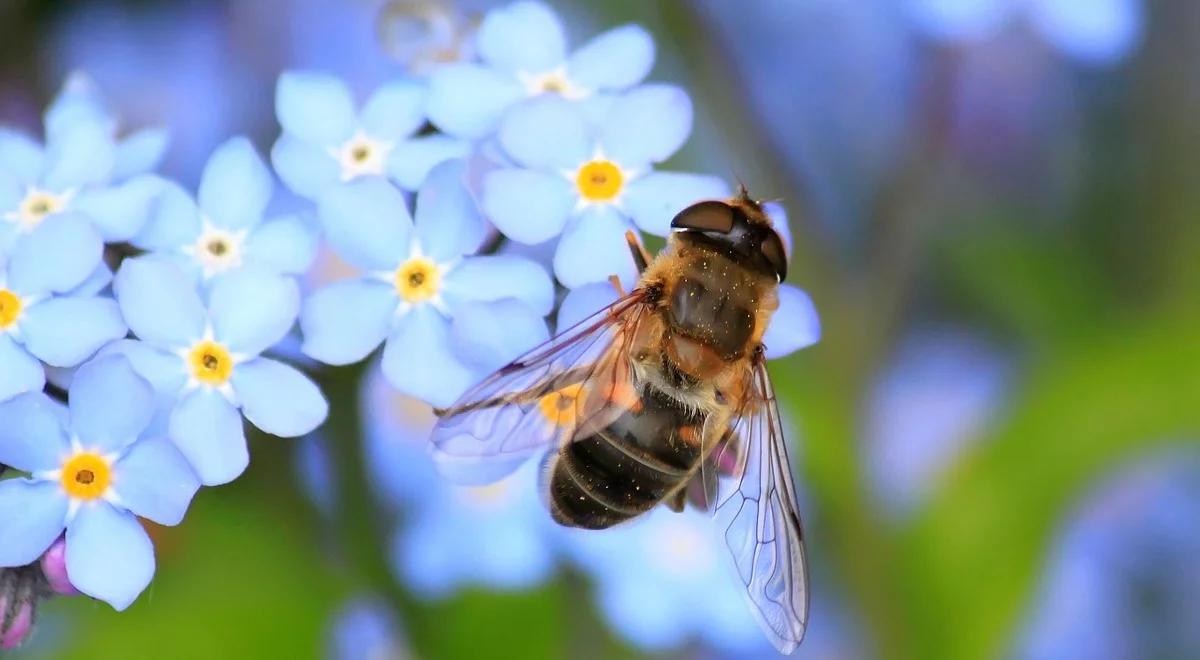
[772, 250]
[711, 216]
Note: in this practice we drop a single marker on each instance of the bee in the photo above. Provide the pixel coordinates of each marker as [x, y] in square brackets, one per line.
[660, 398]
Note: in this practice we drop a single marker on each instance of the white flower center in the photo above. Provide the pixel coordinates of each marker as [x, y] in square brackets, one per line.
[554, 81]
[36, 206]
[361, 156]
[216, 249]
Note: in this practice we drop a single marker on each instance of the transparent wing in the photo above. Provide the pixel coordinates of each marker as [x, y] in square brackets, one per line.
[572, 384]
[755, 507]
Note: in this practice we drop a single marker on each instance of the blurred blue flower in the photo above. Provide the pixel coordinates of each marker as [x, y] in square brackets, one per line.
[1123, 580]
[204, 361]
[81, 169]
[326, 141]
[1097, 31]
[90, 475]
[587, 179]
[312, 465]
[422, 34]
[225, 228]
[36, 323]
[365, 629]
[448, 318]
[524, 54]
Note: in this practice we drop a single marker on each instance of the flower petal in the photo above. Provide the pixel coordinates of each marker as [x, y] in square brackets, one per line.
[447, 219]
[466, 100]
[110, 404]
[279, 399]
[154, 481]
[500, 276]
[208, 431]
[252, 309]
[82, 154]
[62, 332]
[367, 223]
[33, 513]
[411, 160]
[286, 244]
[526, 206]
[99, 280]
[546, 133]
[475, 339]
[647, 124]
[315, 107]
[159, 302]
[19, 371]
[653, 200]
[594, 248]
[56, 256]
[306, 168]
[616, 59]
[109, 556]
[21, 156]
[522, 37]
[120, 211]
[174, 220]
[164, 371]
[794, 325]
[32, 438]
[419, 360]
[236, 185]
[140, 152]
[395, 111]
[583, 301]
[345, 321]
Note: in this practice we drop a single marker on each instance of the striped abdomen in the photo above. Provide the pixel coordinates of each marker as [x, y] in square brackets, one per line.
[626, 469]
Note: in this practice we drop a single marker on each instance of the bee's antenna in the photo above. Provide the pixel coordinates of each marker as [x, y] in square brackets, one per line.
[743, 191]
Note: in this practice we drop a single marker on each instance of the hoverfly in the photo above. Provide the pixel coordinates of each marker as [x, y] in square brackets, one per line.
[662, 395]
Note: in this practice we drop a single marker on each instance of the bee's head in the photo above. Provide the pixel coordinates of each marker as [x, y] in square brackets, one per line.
[739, 228]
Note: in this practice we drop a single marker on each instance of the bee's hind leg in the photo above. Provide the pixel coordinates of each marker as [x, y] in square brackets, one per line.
[641, 258]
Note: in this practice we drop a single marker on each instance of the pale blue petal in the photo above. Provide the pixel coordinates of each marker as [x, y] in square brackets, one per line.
[140, 152]
[109, 556]
[110, 404]
[522, 37]
[961, 20]
[315, 107]
[345, 321]
[12, 191]
[395, 111]
[77, 102]
[155, 481]
[411, 160]
[419, 359]
[19, 371]
[121, 211]
[547, 133]
[208, 430]
[63, 332]
[466, 100]
[593, 248]
[100, 278]
[236, 185]
[500, 276]
[616, 59]
[279, 399]
[581, 302]
[306, 168]
[83, 154]
[159, 302]
[32, 438]
[367, 223]
[163, 370]
[447, 219]
[252, 309]
[794, 325]
[33, 515]
[21, 156]
[474, 336]
[58, 255]
[653, 200]
[647, 124]
[526, 206]
[286, 244]
[174, 221]
[1100, 31]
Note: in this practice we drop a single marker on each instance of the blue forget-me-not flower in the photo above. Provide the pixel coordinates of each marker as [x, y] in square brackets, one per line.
[225, 228]
[437, 306]
[205, 363]
[327, 141]
[90, 474]
[524, 53]
[587, 179]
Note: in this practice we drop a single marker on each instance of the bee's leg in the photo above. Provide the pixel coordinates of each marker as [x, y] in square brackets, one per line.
[616, 283]
[640, 257]
[676, 500]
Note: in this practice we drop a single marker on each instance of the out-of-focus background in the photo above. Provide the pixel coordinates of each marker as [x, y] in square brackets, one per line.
[996, 208]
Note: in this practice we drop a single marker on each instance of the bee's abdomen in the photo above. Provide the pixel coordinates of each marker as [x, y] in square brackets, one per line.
[624, 470]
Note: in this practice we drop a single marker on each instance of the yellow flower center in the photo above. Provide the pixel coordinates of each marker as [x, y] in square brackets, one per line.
[86, 476]
[561, 407]
[217, 247]
[10, 308]
[599, 181]
[211, 363]
[417, 280]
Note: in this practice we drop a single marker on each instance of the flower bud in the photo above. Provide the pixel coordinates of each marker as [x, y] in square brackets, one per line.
[54, 568]
[19, 589]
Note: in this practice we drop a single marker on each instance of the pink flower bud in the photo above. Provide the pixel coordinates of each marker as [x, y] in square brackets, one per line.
[54, 567]
[14, 631]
